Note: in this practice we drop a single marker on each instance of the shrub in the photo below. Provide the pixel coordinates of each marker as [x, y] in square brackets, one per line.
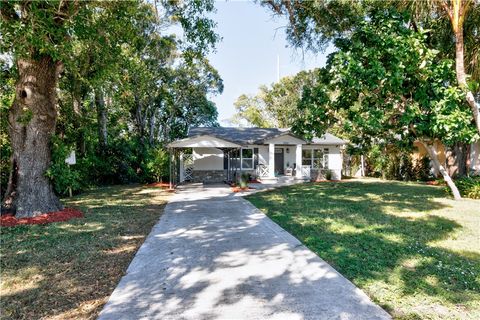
[243, 181]
[156, 165]
[64, 177]
[328, 174]
[469, 187]
[122, 161]
[421, 169]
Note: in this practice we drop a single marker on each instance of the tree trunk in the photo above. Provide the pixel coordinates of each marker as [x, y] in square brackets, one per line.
[140, 118]
[432, 152]
[151, 133]
[78, 115]
[101, 119]
[32, 120]
[457, 160]
[457, 19]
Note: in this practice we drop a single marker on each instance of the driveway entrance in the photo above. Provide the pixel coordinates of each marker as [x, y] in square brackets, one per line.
[213, 255]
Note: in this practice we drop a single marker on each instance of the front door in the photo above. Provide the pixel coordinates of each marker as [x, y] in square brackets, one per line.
[279, 161]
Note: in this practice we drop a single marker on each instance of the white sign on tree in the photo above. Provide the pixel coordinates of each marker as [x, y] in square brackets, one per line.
[71, 158]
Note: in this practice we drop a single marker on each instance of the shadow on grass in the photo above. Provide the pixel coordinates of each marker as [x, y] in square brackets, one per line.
[69, 269]
[378, 232]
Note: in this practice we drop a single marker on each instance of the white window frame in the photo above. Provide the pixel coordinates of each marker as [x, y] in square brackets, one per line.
[241, 158]
[309, 158]
[324, 159]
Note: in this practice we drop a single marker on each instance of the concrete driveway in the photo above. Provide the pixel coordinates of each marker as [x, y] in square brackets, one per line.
[213, 255]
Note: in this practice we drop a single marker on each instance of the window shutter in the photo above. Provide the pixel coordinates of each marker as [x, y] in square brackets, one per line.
[255, 158]
[225, 160]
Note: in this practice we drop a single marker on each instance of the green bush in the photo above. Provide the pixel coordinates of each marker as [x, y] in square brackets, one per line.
[7, 93]
[421, 170]
[64, 177]
[156, 165]
[122, 161]
[396, 164]
[328, 174]
[243, 181]
[469, 187]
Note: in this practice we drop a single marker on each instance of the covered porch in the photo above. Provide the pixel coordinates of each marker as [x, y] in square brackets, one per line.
[210, 159]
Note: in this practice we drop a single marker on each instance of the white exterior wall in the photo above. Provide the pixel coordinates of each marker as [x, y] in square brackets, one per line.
[475, 157]
[212, 158]
[289, 157]
[207, 159]
[335, 159]
[262, 153]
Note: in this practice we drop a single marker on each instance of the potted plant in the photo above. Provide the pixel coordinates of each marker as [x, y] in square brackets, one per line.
[243, 182]
[328, 174]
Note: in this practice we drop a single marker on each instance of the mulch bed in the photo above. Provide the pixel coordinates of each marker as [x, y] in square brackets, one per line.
[163, 185]
[159, 185]
[9, 220]
[435, 183]
[238, 189]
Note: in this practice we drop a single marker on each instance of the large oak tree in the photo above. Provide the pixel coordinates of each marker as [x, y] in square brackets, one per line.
[41, 37]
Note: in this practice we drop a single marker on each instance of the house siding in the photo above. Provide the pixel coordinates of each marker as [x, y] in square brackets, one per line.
[209, 162]
[207, 159]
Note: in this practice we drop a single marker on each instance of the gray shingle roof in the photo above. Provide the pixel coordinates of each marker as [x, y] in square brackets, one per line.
[327, 138]
[244, 136]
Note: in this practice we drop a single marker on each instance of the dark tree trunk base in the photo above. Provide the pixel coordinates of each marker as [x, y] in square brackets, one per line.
[32, 121]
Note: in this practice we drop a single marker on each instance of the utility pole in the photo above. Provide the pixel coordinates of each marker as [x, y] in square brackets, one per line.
[278, 68]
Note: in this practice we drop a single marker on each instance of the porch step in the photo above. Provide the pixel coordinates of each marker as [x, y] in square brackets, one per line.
[279, 180]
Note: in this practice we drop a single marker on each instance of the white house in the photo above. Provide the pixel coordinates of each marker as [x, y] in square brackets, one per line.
[217, 154]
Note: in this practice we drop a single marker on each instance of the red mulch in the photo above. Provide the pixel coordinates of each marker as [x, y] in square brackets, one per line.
[8, 220]
[435, 183]
[164, 185]
[159, 184]
[238, 189]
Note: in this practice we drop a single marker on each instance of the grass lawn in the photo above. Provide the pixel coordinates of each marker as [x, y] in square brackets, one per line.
[414, 252]
[67, 270]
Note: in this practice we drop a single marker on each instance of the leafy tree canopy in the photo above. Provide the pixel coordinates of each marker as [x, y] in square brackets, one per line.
[274, 105]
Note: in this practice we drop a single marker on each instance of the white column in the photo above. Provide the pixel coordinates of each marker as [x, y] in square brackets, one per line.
[271, 160]
[298, 161]
[182, 173]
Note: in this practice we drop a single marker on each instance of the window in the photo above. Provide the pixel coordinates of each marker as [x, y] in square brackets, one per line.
[247, 158]
[235, 159]
[306, 157]
[242, 159]
[318, 159]
[325, 158]
[315, 158]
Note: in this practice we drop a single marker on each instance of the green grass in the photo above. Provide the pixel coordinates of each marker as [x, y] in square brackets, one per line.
[413, 251]
[67, 270]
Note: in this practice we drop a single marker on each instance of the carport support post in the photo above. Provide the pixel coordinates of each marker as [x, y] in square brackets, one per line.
[298, 160]
[170, 168]
[229, 166]
[237, 156]
[271, 160]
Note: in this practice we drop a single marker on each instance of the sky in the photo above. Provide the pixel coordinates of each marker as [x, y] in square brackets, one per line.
[247, 55]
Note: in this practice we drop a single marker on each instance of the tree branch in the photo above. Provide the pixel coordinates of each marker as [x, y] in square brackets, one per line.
[7, 11]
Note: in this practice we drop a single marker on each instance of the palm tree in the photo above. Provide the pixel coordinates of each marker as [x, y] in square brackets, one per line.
[457, 12]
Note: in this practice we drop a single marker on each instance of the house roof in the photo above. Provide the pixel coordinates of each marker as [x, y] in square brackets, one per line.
[245, 136]
[327, 138]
